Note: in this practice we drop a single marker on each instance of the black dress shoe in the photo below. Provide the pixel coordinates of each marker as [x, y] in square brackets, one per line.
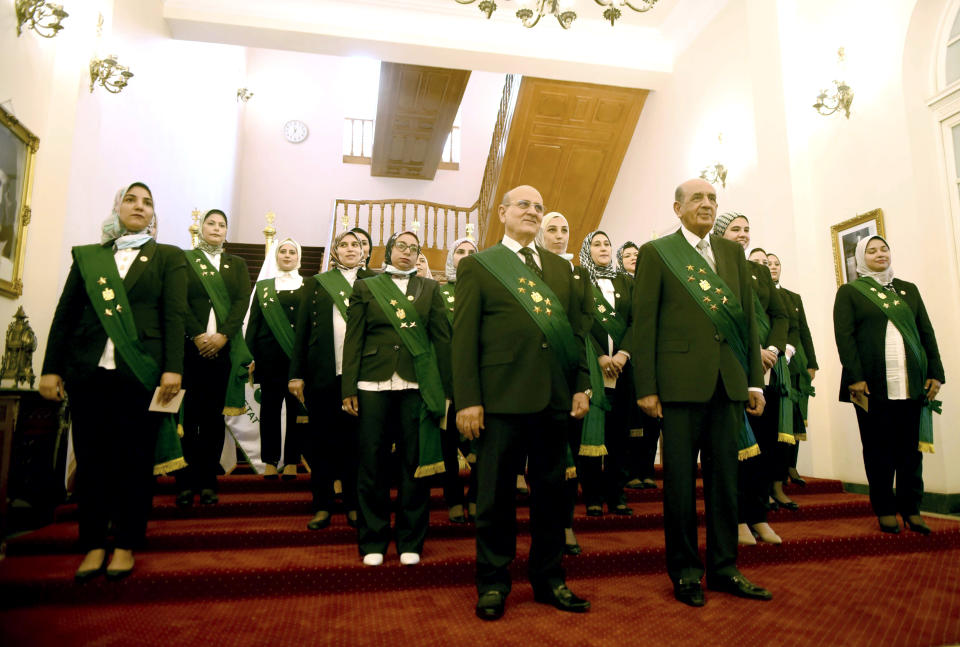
[594, 510]
[490, 605]
[572, 549]
[562, 598]
[208, 497]
[649, 484]
[798, 481]
[185, 499]
[89, 574]
[787, 505]
[690, 593]
[738, 585]
[318, 522]
[919, 527]
[622, 510]
[352, 521]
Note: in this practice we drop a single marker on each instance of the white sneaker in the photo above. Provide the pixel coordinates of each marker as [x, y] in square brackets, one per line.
[409, 559]
[373, 559]
[766, 533]
[744, 536]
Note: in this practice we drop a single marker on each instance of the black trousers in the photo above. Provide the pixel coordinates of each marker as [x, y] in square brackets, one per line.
[388, 417]
[273, 392]
[205, 381]
[331, 448]
[603, 477]
[502, 446]
[643, 449]
[890, 434]
[114, 438]
[451, 442]
[757, 474]
[711, 428]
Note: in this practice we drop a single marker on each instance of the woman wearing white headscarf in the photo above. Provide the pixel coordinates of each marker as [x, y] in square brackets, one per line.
[270, 336]
[891, 365]
[554, 235]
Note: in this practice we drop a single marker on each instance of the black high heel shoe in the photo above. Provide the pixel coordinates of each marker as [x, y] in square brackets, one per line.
[798, 481]
[917, 526]
[87, 575]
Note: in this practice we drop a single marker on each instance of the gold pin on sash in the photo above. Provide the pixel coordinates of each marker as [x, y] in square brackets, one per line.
[704, 285]
[401, 314]
[108, 312]
[102, 280]
[536, 297]
[393, 302]
[409, 297]
[108, 294]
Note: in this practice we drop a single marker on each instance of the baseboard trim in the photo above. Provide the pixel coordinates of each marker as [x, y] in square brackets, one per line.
[932, 501]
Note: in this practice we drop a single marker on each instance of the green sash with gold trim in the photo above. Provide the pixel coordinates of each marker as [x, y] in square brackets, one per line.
[266, 291]
[406, 321]
[803, 392]
[605, 314]
[898, 311]
[338, 287]
[448, 292]
[592, 436]
[235, 403]
[109, 298]
[721, 306]
[782, 373]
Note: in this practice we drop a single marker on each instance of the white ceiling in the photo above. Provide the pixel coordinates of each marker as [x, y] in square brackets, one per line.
[637, 52]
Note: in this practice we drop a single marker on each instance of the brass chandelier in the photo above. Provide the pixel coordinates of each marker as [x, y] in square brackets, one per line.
[531, 11]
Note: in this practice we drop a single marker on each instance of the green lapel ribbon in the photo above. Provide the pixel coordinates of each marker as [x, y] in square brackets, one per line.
[105, 288]
[721, 306]
[338, 287]
[898, 311]
[266, 291]
[406, 321]
[592, 436]
[605, 314]
[535, 297]
[448, 292]
[240, 357]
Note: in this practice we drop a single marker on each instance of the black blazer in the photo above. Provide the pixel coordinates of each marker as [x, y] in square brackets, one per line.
[501, 359]
[772, 304]
[861, 331]
[233, 269]
[313, 359]
[623, 289]
[372, 349]
[272, 362]
[803, 330]
[156, 289]
[677, 352]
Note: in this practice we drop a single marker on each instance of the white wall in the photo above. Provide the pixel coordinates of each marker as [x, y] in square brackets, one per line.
[753, 74]
[300, 182]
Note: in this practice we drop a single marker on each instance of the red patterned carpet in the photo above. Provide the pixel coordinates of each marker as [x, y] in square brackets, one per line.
[247, 572]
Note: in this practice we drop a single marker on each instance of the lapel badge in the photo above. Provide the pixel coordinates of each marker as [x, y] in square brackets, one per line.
[119, 308]
[704, 285]
[903, 293]
[549, 312]
[226, 267]
[108, 294]
[521, 290]
[536, 297]
[690, 268]
[403, 324]
[754, 276]
[536, 309]
[450, 299]
[616, 294]
[522, 280]
[393, 302]
[144, 259]
[409, 297]
[701, 271]
[413, 324]
[202, 266]
[601, 309]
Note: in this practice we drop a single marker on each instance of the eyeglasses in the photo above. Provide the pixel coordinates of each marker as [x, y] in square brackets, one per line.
[526, 204]
[404, 248]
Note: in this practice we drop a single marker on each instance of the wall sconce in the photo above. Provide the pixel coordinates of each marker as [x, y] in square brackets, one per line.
[244, 95]
[32, 13]
[107, 72]
[839, 100]
[716, 172]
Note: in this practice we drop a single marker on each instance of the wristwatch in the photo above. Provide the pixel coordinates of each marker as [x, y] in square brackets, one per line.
[588, 393]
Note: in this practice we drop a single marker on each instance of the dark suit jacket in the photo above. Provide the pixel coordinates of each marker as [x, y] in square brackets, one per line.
[233, 269]
[372, 349]
[156, 290]
[861, 331]
[501, 359]
[313, 359]
[803, 330]
[772, 304]
[272, 362]
[677, 352]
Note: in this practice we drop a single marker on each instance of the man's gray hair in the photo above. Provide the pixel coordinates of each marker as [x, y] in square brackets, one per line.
[678, 194]
[506, 199]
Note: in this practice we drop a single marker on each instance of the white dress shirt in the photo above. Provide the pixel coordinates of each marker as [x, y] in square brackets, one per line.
[895, 359]
[515, 247]
[340, 324]
[395, 383]
[124, 259]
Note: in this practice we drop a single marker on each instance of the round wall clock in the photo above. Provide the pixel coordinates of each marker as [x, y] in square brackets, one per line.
[295, 131]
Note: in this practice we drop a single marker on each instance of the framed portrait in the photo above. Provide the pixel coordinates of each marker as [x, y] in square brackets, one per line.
[18, 148]
[846, 235]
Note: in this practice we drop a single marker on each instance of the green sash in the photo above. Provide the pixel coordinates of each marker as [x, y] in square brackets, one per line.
[605, 314]
[406, 321]
[803, 392]
[780, 369]
[105, 288]
[535, 297]
[592, 435]
[266, 291]
[240, 357]
[448, 292]
[898, 311]
[721, 306]
[339, 289]
[763, 319]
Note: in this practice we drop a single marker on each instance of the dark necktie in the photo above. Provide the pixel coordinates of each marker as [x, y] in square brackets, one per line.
[532, 264]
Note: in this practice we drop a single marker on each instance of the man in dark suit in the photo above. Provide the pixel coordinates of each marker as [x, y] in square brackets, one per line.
[515, 394]
[688, 373]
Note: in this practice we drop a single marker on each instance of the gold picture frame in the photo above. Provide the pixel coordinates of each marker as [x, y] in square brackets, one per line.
[18, 149]
[845, 236]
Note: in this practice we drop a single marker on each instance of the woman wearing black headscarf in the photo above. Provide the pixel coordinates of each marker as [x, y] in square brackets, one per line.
[367, 243]
[215, 356]
[396, 378]
[892, 371]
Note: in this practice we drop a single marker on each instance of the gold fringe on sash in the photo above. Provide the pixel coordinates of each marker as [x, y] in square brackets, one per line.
[800, 435]
[302, 420]
[180, 431]
[429, 470]
[169, 466]
[926, 447]
[636, 433]
[571, 473]
[749, 452]
[235, 411]
[593, 450]
[787, 439]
